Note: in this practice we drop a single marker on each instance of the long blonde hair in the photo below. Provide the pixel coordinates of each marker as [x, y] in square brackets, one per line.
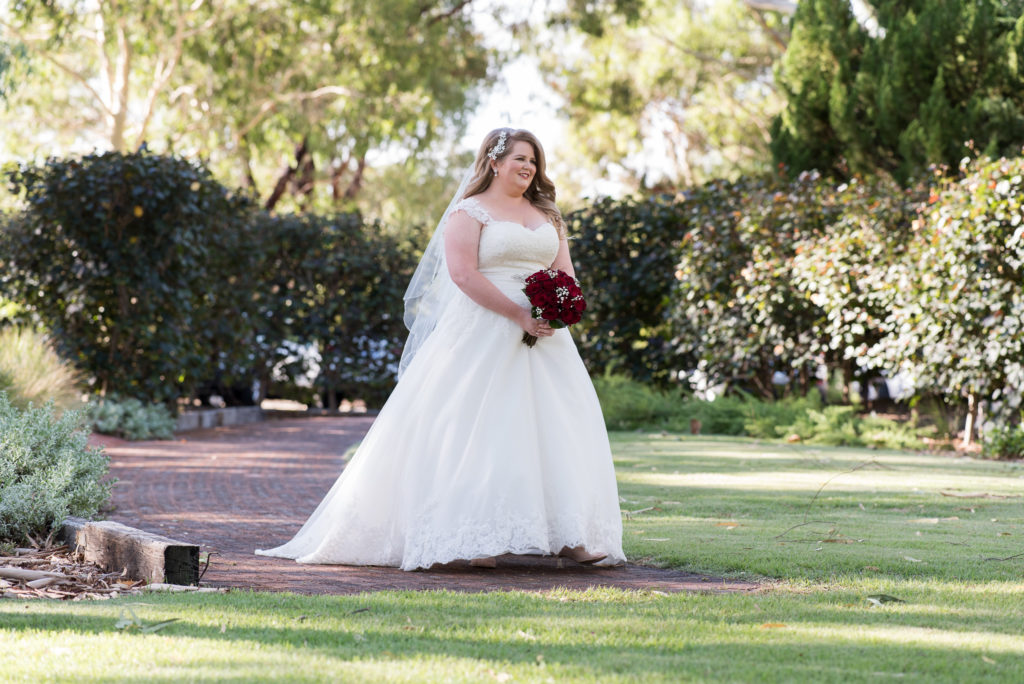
[541, 192]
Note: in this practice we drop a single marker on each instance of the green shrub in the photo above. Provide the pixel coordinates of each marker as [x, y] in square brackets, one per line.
[129, 259]
[1004, 443]
[31, 371]
[628, 404]
[764, 417]
[47, 471]
[724, 416]
[886, 433]
[131, 419]
[630, 250]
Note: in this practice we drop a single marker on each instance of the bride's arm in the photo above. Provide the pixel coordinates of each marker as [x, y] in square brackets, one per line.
[461, 246]
[563, 262]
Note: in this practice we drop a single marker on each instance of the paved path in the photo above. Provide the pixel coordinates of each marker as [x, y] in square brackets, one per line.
[233, 489]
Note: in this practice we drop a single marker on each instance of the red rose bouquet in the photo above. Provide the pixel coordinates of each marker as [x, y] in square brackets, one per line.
[556, 297]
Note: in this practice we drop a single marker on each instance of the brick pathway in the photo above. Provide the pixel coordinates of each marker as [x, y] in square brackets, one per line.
[233, 489]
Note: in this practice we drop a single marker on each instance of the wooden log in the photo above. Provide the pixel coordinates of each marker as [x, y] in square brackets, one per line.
[27, 575]
[139, 555]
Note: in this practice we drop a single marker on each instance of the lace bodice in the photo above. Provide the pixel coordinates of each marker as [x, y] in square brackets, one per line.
[507, 245]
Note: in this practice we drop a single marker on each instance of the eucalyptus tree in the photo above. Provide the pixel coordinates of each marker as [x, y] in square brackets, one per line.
[688, 83]
[311, 87]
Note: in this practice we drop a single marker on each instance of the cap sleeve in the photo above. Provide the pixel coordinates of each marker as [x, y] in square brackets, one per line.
[472, 207]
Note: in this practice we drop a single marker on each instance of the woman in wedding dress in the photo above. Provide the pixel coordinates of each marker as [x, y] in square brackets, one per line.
[486, 446]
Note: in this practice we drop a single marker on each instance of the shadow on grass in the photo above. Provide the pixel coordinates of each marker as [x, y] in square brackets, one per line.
[656, 639]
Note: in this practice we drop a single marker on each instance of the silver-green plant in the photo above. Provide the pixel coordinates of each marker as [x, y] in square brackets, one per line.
[47, 471]
[132, 419]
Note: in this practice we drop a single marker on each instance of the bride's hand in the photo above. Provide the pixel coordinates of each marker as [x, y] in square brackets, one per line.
[537, 327]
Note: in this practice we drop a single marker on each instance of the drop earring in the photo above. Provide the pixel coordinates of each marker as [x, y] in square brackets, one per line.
[495, 172]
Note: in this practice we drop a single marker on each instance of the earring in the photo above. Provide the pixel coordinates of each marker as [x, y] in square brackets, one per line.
[495, 172]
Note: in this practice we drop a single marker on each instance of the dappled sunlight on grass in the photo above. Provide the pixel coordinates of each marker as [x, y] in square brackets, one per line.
[836, 541]
[869, 480]
[980, 642]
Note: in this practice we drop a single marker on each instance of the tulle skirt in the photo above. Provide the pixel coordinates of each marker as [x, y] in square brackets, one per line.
[485, 447]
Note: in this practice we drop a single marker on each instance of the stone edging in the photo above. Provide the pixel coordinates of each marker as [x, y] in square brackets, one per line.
[140, 555]
[210, 418]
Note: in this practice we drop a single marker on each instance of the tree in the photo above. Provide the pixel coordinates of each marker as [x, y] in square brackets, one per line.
[104, 66]
[287, 96]
[687, 82]
[956, 299]
[934, 75]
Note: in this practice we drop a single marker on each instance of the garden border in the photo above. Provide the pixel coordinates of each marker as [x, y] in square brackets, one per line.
[139, 555]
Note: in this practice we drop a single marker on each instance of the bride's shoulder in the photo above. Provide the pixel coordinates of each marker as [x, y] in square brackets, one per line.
[472, 207]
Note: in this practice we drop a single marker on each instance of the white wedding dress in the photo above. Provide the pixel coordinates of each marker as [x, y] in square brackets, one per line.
[485, 447]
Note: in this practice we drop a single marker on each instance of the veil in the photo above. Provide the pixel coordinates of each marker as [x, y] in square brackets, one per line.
[431, 287]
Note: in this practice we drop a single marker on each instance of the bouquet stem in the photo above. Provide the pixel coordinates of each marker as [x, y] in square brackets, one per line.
[528, 339]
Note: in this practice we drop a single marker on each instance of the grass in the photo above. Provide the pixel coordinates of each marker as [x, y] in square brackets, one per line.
[719, 505]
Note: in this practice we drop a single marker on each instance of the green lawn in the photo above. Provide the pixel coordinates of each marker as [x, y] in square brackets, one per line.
[719, 505]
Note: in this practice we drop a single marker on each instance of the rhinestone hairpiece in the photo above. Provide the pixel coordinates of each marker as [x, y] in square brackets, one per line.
[499, 147]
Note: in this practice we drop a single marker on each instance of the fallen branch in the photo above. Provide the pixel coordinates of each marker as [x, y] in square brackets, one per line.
[809, 522]
[1016, 555]
[979, 495]
[865, 464]
[630, 514]
[28, 575]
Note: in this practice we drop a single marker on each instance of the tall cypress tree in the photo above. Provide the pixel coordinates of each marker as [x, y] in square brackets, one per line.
[939, 73]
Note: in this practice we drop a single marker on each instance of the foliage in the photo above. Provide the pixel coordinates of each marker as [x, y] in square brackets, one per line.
[845, 268]
[936, 75]
[955, 302]
[626, 251]
[118, 255]
[245, 86]
[47, 471]
[738, 308]
[1004, 443]
[32, 373]
[628, 404]
[131, 419]
[654, 79]
[333, 283]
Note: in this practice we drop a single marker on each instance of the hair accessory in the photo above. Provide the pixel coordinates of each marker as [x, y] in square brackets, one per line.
[499, 147]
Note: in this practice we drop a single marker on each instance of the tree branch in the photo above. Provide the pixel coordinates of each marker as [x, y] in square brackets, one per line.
[60, 65]
[162, 74]
[449, 14]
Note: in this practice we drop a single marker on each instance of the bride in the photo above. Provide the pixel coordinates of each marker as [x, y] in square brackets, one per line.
[486, 446]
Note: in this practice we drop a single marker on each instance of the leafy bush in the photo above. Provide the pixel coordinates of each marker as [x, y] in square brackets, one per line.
[627, 255]
[31, 371]
[1004, 443]
[333, 284]
[131, 419]
[628, 404]
[128, 260]
[47, 472]
[955, 301]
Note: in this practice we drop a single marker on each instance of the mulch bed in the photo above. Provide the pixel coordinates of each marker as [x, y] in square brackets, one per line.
[56, 573]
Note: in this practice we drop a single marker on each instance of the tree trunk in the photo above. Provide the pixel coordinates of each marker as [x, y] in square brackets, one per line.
[303, 182]
[356, 184]
[971, 420]
[287, 174]
[339, 168]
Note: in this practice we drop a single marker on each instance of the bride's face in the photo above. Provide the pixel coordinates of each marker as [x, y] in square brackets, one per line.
[519, 166]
